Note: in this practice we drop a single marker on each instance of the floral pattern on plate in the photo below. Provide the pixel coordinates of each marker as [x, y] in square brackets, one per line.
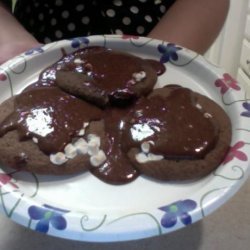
[47, 216]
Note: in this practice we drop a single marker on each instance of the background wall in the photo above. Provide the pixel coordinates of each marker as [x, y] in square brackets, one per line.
[226, 50]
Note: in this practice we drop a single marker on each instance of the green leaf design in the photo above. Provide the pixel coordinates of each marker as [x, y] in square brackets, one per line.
[230, 178]
[86, 218]
[158, 225]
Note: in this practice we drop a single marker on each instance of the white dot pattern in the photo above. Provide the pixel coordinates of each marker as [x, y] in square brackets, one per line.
[71, 26]
[110, 13]
[134, 9]
[162, 8]
[118, 32]
[148, 18]
[85, 20]
[80, 7]
[117, 2]
[140, 30]
[53, 20]
[59, 34]
[47, 40]
[126, 20]
[41, 16]
[65, 14]
[59, 2]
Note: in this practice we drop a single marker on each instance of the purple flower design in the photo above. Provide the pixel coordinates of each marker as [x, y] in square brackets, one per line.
[246, 105]
[77, 41]
[179, 209]
[46, 216]
[169, 52]
[34, 50]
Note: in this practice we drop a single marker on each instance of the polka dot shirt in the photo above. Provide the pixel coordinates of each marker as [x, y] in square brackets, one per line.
[51, 20]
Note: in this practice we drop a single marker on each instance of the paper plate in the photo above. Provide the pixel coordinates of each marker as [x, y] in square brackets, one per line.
[81, 207]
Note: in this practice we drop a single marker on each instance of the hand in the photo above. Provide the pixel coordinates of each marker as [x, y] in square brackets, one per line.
[14, 38]
[194, 31]
[10, 50]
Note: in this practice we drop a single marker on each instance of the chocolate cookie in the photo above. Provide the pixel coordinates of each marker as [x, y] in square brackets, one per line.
[43, 131]
[176, 134]
[104, 76]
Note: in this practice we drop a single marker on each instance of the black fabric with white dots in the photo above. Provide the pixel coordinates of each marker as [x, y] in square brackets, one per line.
[50, 20]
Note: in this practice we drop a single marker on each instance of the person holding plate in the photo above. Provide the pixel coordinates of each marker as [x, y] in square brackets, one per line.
[185, 22]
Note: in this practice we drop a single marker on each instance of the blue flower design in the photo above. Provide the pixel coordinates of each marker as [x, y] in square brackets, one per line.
[77, 41]
[34, 50]
[246, 106]
[179, 209]
[169, 52]
[46, 216]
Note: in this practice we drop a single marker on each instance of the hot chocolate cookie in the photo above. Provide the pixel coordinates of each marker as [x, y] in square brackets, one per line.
[42, 130]
[176, 134]
[104, 76]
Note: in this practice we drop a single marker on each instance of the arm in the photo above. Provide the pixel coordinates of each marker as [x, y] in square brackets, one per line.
[14, 39]
[193, 24]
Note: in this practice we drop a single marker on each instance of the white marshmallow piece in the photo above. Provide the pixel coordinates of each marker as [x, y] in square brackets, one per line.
[81, 132]
[98, 159]
[145, 147]
[91, 137]
[85, 124]
[153, 157]
[139, 76]
[81, 146]
[70, 151]
[198, 106]
[207, 115]
[143, 158]
[34, 139]
[58, 158]
[78, 61]
[94, 143]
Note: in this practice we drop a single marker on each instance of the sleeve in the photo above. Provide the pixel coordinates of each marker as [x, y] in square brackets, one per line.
[7, 3]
